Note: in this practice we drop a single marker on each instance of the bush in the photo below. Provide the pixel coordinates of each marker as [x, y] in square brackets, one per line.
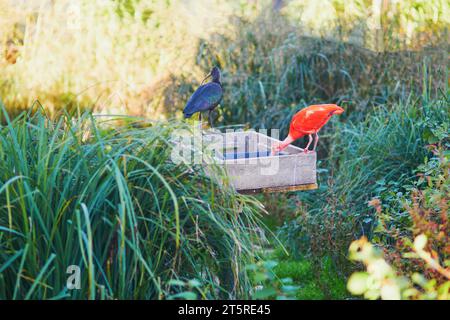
[418, 246]
[76, 192]
[382, 281]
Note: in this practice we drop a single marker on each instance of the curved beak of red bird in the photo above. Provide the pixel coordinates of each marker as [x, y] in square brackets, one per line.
[339, 110]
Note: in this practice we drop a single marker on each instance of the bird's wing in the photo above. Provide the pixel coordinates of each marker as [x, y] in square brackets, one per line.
[310, 120]
[204, 98]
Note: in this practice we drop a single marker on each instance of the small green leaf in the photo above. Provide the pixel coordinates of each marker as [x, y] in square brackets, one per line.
[270, 264]
[194, 283]
[367, 220]
[286, 281]
[357, 284]
[289, 288]
[260, 277]
[390, 291]
[265, 293]
[187, 295]
[410, 255]
[251, 267]
[176, 282]
[420, 242]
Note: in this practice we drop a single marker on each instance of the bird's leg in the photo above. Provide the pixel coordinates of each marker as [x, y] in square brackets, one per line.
[210, 119]
[316, 139]
[200, 121]
[309, 143]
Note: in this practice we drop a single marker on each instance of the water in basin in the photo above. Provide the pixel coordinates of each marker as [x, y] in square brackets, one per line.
[248, 155]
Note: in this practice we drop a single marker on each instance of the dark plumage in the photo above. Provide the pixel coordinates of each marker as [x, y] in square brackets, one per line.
[207, 97]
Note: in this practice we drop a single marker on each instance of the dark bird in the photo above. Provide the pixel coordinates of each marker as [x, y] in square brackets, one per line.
[206, 97]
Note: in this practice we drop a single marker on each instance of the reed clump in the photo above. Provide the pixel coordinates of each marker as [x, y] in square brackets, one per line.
[111, 202]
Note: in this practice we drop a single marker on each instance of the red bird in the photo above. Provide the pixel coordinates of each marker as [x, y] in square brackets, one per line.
[308, 121]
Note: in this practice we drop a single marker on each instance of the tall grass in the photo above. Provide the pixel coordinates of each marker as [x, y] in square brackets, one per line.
[76, 192]
[377, 24]
[114, 56]
[271, 70]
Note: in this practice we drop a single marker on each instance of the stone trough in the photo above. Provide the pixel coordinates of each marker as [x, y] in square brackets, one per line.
[251, 168]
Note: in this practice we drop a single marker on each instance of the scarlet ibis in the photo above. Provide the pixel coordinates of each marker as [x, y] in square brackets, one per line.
[206, 98]
[308, 121]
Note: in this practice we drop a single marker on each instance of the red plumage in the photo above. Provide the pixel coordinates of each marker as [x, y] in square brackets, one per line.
[308, 121]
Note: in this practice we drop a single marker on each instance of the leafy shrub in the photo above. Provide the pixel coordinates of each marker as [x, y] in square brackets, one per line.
[421, 266]
[300, 270]
[382, 281]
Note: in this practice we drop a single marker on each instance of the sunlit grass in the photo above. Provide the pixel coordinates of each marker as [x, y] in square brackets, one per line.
[141, 57]
[113, 57]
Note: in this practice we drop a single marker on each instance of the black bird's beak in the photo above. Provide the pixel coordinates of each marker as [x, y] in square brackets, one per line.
[209, 75]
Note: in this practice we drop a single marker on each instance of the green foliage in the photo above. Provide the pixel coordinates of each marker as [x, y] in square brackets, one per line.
[381, 281]
[187, 290]
[418, 246]
[424, 212]
[310, 281]
[301, 270]
[311, 291]
[316, 282]
[332, 279]
[271, 70]
[268, 284]
[393, 206]
[105, 196]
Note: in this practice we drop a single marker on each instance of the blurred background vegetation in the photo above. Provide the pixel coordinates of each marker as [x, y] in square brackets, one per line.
[384, 61]
[145, 57]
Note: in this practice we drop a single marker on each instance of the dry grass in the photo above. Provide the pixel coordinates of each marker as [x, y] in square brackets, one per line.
[96, 53]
